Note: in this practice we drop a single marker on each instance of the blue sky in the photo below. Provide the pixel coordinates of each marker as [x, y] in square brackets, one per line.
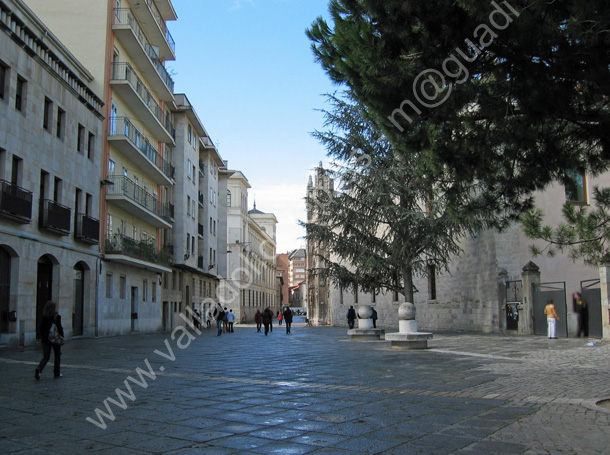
[247, 68]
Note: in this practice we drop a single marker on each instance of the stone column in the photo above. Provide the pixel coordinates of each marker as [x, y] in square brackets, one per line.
[531, 276]
[604, 285]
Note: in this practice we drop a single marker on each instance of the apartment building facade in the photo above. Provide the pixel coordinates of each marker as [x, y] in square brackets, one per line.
[50, 149]
[125, 44]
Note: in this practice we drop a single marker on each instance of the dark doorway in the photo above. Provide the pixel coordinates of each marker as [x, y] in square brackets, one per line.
[5, 289]
[44, 288]
[79, 300]
[134, 309]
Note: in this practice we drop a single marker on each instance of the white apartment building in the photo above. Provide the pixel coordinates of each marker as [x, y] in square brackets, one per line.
[50, 150]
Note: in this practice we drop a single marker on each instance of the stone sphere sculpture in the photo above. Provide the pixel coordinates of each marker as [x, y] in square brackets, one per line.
[406, 312]
[365, 311]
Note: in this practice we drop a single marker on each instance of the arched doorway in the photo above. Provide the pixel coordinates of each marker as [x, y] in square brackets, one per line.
[44, 288]
[79, 300]
[5, 289]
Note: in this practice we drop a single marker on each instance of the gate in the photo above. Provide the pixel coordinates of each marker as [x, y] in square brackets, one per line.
[557, 292]
[513, 298]
[591, 294]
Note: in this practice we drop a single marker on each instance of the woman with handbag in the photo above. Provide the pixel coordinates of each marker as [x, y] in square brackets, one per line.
[52, 337]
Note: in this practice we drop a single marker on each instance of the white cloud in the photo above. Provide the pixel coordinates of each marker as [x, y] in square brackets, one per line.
[237, 4]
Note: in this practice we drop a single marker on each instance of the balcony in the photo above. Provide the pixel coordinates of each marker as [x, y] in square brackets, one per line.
[138, 253]
[55, 217]
[145, 56]
[149, 17]
[129, 196]
[133, 91]
[87, 229]
[132, 143]
[15, 202]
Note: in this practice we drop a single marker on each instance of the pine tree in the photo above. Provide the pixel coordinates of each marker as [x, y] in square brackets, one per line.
[389, 219]
[519, 96]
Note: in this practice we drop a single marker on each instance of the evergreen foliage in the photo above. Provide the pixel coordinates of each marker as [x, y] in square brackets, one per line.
[520, 97]
[389, 218]
[585, 234]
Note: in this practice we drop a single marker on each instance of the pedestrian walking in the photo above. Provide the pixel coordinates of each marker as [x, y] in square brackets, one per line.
[258, 318]
[219, 314]
[551, 319]
[230, 321]
[196, 318]
[288, 318]
[50, 316]
[267, 320]
[225, 321]
[583, 316]
[374, 318]
[351, 317]
[280, 316]
[208, 320]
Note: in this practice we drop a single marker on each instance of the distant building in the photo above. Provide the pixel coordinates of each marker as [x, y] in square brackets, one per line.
[283, 265]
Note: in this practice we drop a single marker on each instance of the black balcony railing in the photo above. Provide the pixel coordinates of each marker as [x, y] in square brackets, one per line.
[87, 229]
[55, 217]
[123, 126]
[15, 202]
[125, 16]
[125, 72]
[125, 186]
[144, 250]
[161, 23]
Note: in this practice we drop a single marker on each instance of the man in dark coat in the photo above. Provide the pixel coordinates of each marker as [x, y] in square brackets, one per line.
[351, 317]
[288, 319]
[267, 319]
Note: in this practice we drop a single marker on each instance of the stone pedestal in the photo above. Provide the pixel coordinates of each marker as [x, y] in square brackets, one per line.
[365, 334]
[408, 337]
[365, 330]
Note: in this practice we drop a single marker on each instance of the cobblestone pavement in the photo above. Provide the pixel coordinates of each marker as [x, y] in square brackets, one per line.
[310, 392]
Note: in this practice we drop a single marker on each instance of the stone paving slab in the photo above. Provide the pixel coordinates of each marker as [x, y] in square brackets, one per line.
[311, 392]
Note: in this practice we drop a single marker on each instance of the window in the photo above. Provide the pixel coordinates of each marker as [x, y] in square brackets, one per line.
[188, 205]
[80, 139]
[210, 256]
[214, 227]
[576, 186]
[47, 114]
[194, 173]
[88, 204]
[61, 120]
[190, 134]
[3, 80]
[193, 212]
[356, 295]
[193, 245]
[91, 146]
[123, 287]
[395, 296]
[188, 244]
[210, 225]
[16, 170]
[189, 172]
[144, 290]
[57, 190]
[228, 198]
[154, 291]
[20, 94]
[109, 285]
[432, 282]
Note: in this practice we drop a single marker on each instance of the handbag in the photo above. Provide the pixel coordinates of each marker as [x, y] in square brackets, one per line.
[54, 336]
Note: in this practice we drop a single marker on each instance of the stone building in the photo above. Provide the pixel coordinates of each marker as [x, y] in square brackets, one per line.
[495, 285]
[251, 240]
[50, 149]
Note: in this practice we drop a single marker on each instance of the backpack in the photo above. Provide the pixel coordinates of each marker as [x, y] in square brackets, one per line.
[54, 336]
